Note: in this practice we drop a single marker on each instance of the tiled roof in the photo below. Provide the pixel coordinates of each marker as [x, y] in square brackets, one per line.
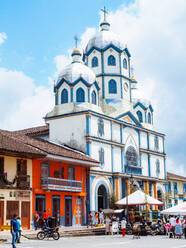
[19, 142]
[34, 131]
[10, 144]
[174, 176]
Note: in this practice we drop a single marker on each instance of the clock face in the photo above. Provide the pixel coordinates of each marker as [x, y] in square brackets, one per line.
[126, 86]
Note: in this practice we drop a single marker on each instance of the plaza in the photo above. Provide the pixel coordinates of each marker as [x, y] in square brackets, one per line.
[115, 241]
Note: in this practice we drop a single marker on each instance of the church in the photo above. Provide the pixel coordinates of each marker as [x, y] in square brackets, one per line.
[96, 114]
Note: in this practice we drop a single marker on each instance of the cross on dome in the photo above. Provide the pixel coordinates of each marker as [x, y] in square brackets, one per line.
[105, 12]
[76, 39]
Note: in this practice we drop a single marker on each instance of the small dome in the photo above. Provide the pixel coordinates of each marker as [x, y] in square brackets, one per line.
[105, 37]
[76, 70]
[76, 51]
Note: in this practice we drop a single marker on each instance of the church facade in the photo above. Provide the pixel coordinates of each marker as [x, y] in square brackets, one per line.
[95, 113]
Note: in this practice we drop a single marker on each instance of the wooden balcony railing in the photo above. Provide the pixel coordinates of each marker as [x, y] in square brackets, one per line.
[52, 183]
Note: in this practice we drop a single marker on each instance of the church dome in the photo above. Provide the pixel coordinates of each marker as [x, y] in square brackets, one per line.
[105, 37]
[77, 69]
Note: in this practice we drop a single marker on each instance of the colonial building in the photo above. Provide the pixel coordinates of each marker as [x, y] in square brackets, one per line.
[176, 189]
[16, 178]
[58, 179]
[96, 113]
[38, 175]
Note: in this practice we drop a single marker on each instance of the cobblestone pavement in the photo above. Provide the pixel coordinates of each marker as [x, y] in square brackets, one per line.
[116, 241]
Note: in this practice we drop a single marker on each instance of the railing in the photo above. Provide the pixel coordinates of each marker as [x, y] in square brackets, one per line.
[131, 169]
[52, 183]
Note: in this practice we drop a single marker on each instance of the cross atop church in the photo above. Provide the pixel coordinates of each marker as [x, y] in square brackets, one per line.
[76, 40]
[105, 12]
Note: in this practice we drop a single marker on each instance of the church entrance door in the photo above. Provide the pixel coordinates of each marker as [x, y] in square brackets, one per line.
[102, 197]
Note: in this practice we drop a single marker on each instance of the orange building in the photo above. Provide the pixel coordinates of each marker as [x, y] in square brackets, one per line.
[59, 180]
[59, 187]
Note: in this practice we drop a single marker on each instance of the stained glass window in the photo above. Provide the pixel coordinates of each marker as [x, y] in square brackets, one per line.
[94, 101]
[112, 86]
[140, 116]
[64, 96]
[131, 157]
[157, 167]
[125, 63]
[111, 60]
[94, 62]
[80, 95]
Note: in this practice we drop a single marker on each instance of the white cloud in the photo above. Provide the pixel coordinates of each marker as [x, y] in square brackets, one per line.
[23, 104]
[3, 37]
[175, 167]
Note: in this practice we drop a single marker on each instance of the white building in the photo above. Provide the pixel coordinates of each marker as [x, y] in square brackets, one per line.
[95, 113]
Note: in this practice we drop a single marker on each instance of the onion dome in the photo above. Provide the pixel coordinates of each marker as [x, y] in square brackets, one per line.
[105, 37]
[77, 69]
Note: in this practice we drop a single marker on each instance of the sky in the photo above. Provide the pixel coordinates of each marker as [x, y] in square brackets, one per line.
[37, 37]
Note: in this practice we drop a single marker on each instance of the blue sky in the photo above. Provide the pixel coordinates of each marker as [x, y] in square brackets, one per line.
[37, 30]
[36, 38]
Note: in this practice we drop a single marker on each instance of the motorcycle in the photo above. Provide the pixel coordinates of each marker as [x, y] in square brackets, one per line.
[48, 232]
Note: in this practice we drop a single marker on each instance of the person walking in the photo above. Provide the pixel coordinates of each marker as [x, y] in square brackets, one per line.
[184, 226]
[45, 217]
[14, 230]
[90, 217]
[19, 229]
[36, 221]
[96, 218]
[101, 218]
[123, 226]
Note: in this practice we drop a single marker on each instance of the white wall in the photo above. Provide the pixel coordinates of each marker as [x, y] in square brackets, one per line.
[69, 130]
[97, 70]
[108, 68]
[143, 140]
[144, 164]
[95, 147]
[117, 159]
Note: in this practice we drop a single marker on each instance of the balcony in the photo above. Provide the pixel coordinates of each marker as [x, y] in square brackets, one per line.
[19, 182]
[131, 169]
[23, 182]
[52, 183]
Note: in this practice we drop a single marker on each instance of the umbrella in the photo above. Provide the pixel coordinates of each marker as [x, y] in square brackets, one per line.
[176, 210]
[139, 198]
[108, 211]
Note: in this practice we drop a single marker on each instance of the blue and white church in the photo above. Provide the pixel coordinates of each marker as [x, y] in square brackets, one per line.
[96, 114]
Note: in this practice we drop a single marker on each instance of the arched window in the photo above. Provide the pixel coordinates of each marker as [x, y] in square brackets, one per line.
[149, 118]
[140, 116]
[94, 61]
[156, 143]
[94, 100]
[157, 167]
[100, 127]
[111, 60]
[101, 156]
[64, 96]
[80, 95]
[112, 86]
[131, 157]
[125, 63]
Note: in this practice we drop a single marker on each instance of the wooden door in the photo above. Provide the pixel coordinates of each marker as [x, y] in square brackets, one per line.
[78, 211]
[25, 215]
[68, 211]
[1, 213]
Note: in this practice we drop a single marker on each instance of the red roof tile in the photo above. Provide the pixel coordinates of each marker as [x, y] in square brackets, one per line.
[174, 176]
